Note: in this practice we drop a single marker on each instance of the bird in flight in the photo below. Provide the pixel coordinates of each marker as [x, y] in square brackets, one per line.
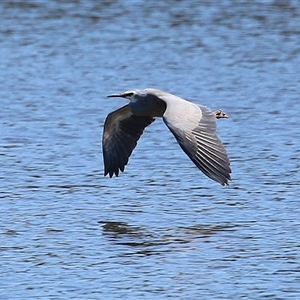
[193, 126]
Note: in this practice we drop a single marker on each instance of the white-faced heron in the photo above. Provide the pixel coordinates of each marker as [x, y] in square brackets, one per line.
[193, 126]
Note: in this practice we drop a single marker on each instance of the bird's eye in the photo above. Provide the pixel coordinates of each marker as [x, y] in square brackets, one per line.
[129, 94]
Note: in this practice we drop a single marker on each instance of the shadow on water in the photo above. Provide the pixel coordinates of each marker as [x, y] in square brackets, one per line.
[156, 241]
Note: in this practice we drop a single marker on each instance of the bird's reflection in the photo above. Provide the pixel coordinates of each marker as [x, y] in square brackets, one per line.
[148, 242]
[117, 229]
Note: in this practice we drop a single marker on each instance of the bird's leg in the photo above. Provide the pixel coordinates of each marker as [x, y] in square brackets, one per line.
[219, 114]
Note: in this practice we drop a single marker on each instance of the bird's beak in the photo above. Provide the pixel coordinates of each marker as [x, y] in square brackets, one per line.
[116, 95]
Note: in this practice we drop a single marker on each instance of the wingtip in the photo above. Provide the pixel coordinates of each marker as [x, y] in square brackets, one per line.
[226, 181]
[111, 173]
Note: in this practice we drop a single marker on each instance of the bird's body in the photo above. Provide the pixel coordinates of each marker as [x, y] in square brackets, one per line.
[193, 126]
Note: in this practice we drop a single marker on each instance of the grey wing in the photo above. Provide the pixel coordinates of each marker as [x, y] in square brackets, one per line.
[121, 132]
[203, 146]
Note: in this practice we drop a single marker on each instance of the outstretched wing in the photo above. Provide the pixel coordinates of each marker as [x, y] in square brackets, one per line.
[194, 128]
[122, 130]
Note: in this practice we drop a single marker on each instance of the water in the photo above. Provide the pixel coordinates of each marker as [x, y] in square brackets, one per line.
[162, 229]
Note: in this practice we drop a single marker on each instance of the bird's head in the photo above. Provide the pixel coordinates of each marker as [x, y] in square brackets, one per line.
[130, 95]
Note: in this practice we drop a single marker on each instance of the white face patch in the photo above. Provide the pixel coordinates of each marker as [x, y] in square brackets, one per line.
[130, 95]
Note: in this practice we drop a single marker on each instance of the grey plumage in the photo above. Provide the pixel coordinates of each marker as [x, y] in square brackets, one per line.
[193, 126]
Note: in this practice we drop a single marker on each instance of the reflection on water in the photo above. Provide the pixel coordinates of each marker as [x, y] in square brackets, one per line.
[144, 242]
[117, 229]
[168, 231]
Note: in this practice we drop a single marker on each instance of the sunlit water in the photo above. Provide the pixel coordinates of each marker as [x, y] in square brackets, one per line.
[162, 229]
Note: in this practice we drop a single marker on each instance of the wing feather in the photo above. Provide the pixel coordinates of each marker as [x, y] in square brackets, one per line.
[194, 128]
[122, 130]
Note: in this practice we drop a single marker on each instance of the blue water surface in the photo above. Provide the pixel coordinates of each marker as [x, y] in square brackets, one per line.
[162, 229]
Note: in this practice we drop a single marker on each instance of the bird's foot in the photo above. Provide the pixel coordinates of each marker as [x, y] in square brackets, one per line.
[219, 114]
